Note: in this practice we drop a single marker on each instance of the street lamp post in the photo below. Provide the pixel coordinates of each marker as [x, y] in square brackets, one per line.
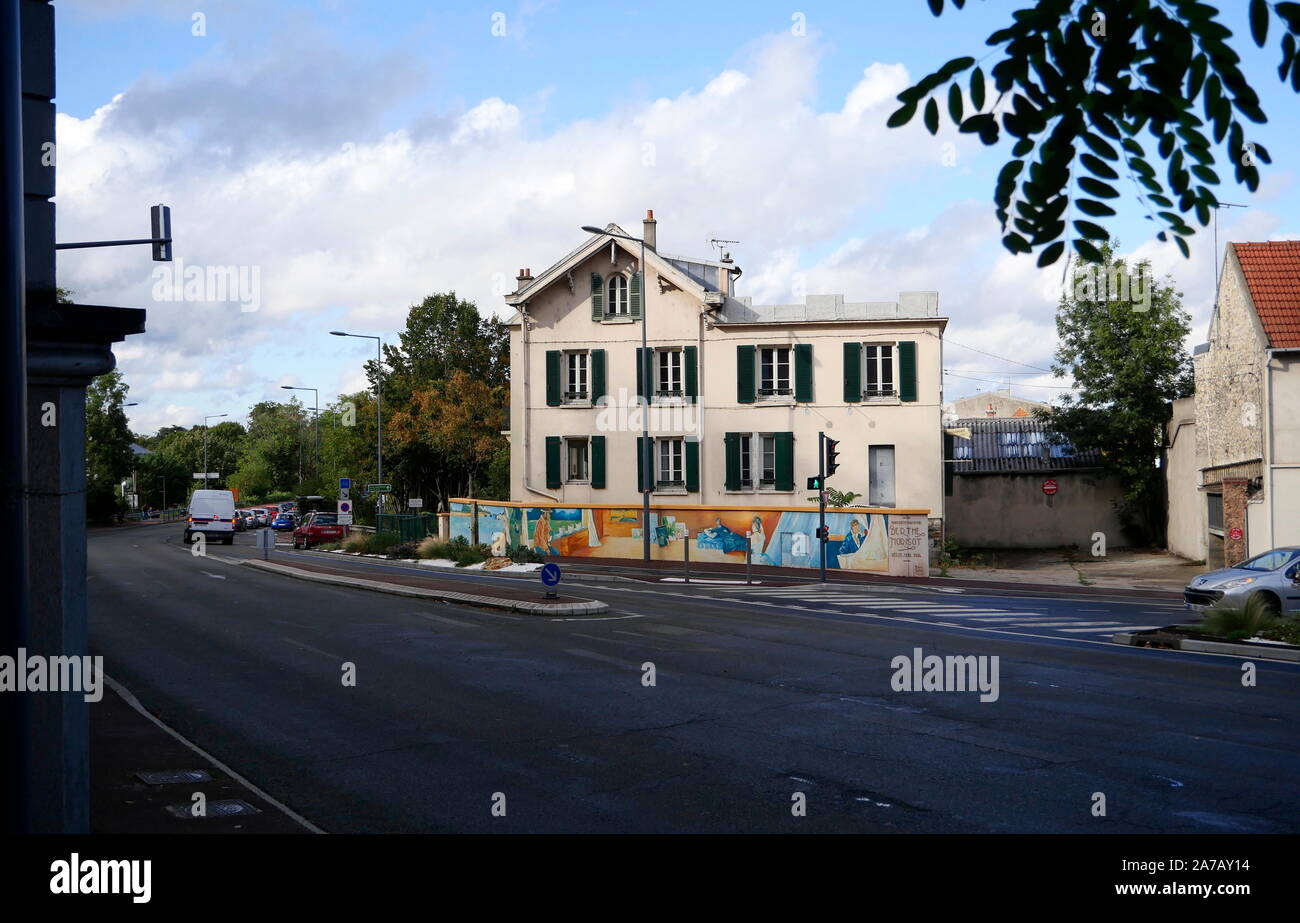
[315, 410]
[647, 458]
[211, 416]
[379, 406]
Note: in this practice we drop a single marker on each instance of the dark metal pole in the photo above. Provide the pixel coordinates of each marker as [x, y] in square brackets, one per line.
[646, 454]
[15, 761]
[821, 500]
[686, 552]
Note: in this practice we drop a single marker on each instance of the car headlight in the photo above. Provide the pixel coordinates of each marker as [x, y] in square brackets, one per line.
[1233, 584]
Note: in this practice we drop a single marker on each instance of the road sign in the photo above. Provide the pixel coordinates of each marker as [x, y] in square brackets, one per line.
[345, 483]
[211, 475]
[1236, 534]
[379, 488]
[550, 574]
[415, 503]
[1050, 487]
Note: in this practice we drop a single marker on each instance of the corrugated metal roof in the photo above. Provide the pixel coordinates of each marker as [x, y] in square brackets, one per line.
[1015, 444]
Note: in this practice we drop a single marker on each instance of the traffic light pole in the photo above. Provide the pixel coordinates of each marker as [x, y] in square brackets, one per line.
[822, 534]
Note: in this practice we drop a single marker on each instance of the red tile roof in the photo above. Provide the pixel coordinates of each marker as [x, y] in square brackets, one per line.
[1272, 273]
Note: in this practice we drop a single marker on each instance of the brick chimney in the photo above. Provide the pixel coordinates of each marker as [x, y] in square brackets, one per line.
[648, 229]
[525, 276]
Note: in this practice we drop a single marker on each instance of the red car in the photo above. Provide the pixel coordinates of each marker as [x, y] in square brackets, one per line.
[316, 529]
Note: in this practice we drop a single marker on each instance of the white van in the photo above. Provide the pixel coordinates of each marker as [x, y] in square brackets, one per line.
[212, 512]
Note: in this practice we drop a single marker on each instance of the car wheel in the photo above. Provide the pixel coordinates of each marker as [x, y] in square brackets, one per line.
[187, 536]
[1270, 602]
[229, 540]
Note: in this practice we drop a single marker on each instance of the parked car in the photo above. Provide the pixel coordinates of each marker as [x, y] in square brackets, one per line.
[1273, 577]
[241, 520]
[212, 514]
[260, 517]
[317, 528]
[282, 522]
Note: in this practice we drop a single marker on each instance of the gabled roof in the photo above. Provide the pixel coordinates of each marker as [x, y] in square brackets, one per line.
[1272, 271]
[592, 245]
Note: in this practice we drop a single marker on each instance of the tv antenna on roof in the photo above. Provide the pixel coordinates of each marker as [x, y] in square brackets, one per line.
[717, 243]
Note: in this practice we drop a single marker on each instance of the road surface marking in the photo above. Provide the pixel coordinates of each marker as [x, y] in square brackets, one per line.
[592, 655]
[213, 576]
[315, 650]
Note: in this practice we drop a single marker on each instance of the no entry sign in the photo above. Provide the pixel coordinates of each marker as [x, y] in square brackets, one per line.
[1236, 534]
[1050, 487]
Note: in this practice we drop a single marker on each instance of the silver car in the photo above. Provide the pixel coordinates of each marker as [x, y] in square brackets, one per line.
[1273, 576]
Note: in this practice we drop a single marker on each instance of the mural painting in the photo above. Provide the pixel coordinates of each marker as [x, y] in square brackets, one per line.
[862, 540]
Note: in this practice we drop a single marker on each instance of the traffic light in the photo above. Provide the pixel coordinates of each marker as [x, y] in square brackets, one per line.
[815, 483]
[823, 532]
[832, 445]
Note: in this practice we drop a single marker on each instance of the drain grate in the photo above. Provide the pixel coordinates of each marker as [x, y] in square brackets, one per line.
[173, 776]
[230, 807]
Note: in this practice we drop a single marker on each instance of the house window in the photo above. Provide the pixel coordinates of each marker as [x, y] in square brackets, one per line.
[773, 371]
[668, 373]
[879, 377]
[671, 464]
[767, 477]
[746, 462]
[576, 377]
[578, 472]
[616, 295]
[1214, 506]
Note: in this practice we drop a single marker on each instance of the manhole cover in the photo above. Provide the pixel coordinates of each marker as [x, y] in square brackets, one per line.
[229, 807]
[172, 776]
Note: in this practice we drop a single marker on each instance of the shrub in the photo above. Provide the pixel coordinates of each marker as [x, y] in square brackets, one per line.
[1238, 622]
[404, 550]
[382, 542]
[356, 543]
[329, 546]
[522, 554]
[1285, 630]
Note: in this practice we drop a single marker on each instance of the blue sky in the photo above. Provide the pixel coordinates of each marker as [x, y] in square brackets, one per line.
[363, 154]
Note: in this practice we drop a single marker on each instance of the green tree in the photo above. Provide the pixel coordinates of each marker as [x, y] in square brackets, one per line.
[108, 445]
[1078, 84]
[1128, 363]
[163, 479]
[272, 454]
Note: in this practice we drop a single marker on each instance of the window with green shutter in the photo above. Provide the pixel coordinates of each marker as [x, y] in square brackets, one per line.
[907, 370]
[641, 372]
[598, 462]
[745, 386]
[554, 395]
[635, 295]
[692, 466]
[784, 461]
[599, 388]
[597, 297]
[553, 476]
[853, 372]
[643, 445]
[732, 443]
[691, 358]
[803, 372]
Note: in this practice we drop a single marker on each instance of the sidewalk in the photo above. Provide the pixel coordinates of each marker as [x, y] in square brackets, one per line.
[530, 600]
[124, 742]
[1121, 568]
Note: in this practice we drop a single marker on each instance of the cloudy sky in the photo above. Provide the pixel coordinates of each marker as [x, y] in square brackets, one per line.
[359, 154]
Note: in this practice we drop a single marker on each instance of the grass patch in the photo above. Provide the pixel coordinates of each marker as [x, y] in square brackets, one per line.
[1237, 623]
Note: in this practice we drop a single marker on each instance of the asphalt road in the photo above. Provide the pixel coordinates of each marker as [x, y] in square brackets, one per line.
[759, 694]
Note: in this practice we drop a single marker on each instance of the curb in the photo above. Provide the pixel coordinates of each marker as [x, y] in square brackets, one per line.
[586, 607]
[1255, 651]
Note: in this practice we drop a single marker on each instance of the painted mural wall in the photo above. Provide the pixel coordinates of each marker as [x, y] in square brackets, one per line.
[883, 541]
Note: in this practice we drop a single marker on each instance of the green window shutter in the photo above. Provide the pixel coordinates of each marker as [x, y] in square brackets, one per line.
[598, 386]
[553, 378]
[640, 461]
[803, 372]
[907, 370]
[852, 372]
[553, 480]
[784, 461]
[746, 390]
[691, 357]
[597, 297]
[692, 466]
[640, 372]
[732, 442]
[598, 462]
[634, 295]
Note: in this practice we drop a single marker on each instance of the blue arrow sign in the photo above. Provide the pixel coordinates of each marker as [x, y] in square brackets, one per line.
[550, 574]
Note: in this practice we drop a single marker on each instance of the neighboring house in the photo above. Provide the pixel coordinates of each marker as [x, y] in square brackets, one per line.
[996, 486]
[1238, 494]
[1000, 403]
[738, 392]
